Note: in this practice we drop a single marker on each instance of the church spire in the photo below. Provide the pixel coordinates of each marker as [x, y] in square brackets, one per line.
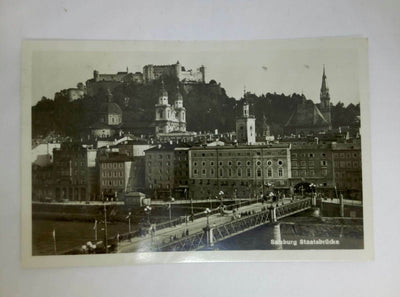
[324, 87]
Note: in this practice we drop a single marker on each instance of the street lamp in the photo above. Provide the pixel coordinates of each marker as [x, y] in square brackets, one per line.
[207, 211]
[221, 194]
[129, 221]
[147, 210]
[171, 199]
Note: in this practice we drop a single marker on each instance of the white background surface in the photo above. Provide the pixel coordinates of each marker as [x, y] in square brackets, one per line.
[208, 20]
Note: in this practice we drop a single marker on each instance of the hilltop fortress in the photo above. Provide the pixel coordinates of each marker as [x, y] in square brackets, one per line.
[149, 74]
[154, 72]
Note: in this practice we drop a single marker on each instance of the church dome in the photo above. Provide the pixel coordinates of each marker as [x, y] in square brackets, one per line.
[110, 108]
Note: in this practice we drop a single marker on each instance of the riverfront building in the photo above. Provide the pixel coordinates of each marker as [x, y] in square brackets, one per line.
[238, 171]
[312, 163]
[75, 172]
[347, 167]
[42, 183]
[167, 170]
[120, 173]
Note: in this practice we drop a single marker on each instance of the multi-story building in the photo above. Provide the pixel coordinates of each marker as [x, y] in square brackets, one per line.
[166, 169]
[75, 172]
[348, 169]
[133, 148]
[312, 163]
[238, 171]
[120, 173]
[42, 183]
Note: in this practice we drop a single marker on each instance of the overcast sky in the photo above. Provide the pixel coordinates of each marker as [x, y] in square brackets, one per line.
[260, 71]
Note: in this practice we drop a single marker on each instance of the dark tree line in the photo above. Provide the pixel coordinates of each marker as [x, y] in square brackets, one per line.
[208, 107]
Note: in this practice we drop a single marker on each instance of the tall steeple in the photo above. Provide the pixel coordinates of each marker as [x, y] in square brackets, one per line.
[325, 105]
[324, 95]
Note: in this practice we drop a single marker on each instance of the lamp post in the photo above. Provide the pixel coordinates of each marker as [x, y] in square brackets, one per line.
[207, 211]
[105, 228]
[221, 194]
[129, 221]
[147, 210]
[171, 199]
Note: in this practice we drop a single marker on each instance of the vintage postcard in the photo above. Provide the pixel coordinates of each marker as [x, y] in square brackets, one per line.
[175, 151]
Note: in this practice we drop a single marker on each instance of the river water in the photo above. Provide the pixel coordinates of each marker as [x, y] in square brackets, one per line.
[293, 231]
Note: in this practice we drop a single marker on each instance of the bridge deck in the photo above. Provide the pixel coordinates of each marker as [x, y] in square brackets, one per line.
[192, 235]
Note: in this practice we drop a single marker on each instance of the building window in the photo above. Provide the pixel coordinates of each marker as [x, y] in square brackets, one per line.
[220, 172]
[258, 172]
[269, 172]
[239, 172]
[303, 163]
[324, 163]
[211, 163]
[239, 163]
[230, 172]
[248, 172]
[280, 171]
[310, 163]
[230, 163]
[195, 171]
[294, 164]
[294, 173]
[212, 171]
[195, 164]
[311, 155]
[248, 163]
[324, 172]
[203, 172]
[203, 163]
[269, 162]
[280, 162]
[258, 163]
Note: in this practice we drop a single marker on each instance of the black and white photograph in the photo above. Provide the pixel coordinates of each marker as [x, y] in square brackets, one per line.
[177, 147]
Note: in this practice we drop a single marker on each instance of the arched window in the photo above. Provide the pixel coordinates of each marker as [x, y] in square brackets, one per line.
[280, 171]
[160, 114]
[258, 172]
[239, 172]
[269, 172]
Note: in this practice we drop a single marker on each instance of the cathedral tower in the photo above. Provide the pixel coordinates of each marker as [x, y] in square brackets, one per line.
[163, 111]
[180, 110]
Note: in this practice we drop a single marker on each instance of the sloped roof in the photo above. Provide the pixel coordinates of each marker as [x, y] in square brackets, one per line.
[306, 115]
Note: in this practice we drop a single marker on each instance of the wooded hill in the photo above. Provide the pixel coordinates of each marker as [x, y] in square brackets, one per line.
[208, 108]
